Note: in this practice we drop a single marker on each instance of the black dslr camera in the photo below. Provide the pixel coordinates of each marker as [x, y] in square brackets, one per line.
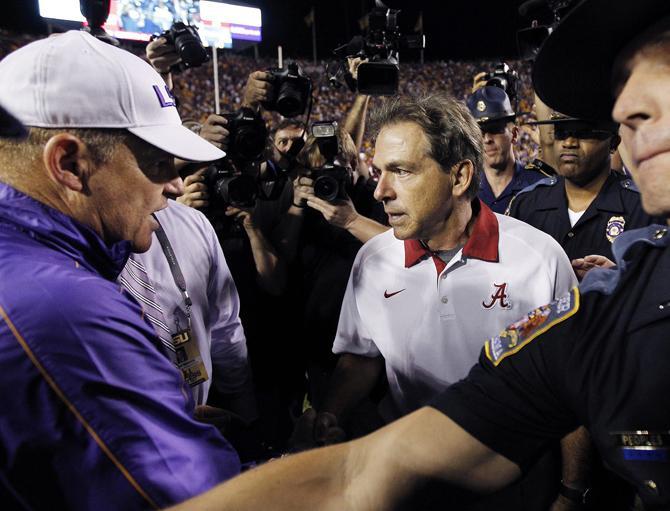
[247, 135]
[380, 45]
[332, 179]
[187, 42]
[228, 180]
[291, 91]
[505, 78]
[227, 187]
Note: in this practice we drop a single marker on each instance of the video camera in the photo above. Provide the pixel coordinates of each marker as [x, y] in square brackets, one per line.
[380, 46]
[332, 179]
[291, 91]
[530, 39]
[187, 43]
[228, 180]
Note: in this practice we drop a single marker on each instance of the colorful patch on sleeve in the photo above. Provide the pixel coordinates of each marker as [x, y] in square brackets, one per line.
[536, 322]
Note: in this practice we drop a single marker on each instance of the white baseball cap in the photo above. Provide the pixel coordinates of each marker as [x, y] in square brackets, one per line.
[73, 80]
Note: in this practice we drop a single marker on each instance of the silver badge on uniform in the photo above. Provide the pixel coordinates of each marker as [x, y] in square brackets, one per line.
[615, 226]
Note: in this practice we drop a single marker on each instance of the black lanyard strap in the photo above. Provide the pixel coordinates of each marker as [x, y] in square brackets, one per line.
[174, 265]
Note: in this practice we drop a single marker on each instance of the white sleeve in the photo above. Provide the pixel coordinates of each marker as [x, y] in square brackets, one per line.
[229, 346]
[352, 335]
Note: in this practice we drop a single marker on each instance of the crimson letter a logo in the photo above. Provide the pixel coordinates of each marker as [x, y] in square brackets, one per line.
[500, 295]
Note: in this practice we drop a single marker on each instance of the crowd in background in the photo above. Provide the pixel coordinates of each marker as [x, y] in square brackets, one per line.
[195, 87]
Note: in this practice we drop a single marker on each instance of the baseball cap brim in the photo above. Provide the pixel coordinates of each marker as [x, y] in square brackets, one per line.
[573, 70]
[179, 141]
[10, 126]
[490, 120]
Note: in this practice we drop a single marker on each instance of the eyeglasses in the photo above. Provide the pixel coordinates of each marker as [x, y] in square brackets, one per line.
[564, 132]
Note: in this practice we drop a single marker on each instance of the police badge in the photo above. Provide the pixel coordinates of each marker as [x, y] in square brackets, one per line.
[615, 226]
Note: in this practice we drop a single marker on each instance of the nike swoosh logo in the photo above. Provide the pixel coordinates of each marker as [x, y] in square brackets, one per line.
[389, 295]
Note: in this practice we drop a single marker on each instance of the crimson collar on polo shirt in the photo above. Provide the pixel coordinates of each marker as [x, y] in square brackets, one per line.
[482, 244]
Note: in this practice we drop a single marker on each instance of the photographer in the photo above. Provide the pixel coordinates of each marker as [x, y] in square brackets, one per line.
[320, 239]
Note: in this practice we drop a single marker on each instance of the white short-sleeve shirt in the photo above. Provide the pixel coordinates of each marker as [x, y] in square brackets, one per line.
[428, 319]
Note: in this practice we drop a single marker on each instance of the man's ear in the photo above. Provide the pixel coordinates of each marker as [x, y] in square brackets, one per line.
[614, 143]
[67, 162]
[462, 173]
[514, 129]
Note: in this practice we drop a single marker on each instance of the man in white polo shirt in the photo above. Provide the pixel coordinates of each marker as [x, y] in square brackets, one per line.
[422, 299]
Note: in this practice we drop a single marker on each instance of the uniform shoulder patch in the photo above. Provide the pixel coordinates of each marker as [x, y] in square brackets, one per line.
[535, 323]
[629, 184]
[547, 181]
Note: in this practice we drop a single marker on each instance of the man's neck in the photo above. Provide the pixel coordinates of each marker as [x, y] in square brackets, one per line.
[455, 230]
[580, 197]
[499, 179]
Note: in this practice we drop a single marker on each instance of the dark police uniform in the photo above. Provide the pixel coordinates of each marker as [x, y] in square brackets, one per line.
[522, 178]
[598, 357]
[615, 209]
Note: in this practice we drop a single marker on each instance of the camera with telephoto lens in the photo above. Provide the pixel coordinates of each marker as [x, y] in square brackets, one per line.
[332, 179]
[380, 46]
[505, 78]
[187, 43]
[247, 135]
[291, 91]
[228, 187]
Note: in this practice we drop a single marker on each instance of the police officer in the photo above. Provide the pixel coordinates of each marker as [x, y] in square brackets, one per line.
[597, 357]
[587, 205]
[504, 176]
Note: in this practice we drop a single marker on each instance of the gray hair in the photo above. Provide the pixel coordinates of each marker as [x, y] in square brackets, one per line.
[453, 134]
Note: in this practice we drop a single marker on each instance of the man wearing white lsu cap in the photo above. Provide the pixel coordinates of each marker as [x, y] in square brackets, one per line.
[79, 430]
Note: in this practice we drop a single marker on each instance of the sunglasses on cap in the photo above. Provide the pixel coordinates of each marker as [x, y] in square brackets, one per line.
[578, 130]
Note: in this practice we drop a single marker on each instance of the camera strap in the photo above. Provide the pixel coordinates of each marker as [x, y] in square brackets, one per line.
[184, 352]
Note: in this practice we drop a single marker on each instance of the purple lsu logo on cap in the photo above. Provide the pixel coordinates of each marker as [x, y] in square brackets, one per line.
[165, 102]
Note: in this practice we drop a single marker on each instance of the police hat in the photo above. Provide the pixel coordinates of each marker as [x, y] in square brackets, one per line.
[573, 70]
[558, 118]
[490, 104]
[10, 126]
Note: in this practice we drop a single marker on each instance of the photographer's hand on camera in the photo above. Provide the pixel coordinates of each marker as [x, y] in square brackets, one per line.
[303, 190]
[214, 132]
[195, 191]
[479, 81]
[243, 216]
[340, 213]
[162, 56]
[257, 90]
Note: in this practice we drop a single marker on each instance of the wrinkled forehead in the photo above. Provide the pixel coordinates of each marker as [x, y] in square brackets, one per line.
[290, 132]
[652, 45]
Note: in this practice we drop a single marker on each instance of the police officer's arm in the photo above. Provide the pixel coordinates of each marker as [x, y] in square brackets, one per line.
[377, 472]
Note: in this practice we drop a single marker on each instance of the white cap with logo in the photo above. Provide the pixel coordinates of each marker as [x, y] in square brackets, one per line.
[73, 80]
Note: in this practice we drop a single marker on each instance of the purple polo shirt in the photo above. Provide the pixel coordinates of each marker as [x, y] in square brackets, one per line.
[93, 416]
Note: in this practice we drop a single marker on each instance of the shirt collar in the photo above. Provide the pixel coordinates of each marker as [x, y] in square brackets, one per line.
[62, 233]
[482, 244]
